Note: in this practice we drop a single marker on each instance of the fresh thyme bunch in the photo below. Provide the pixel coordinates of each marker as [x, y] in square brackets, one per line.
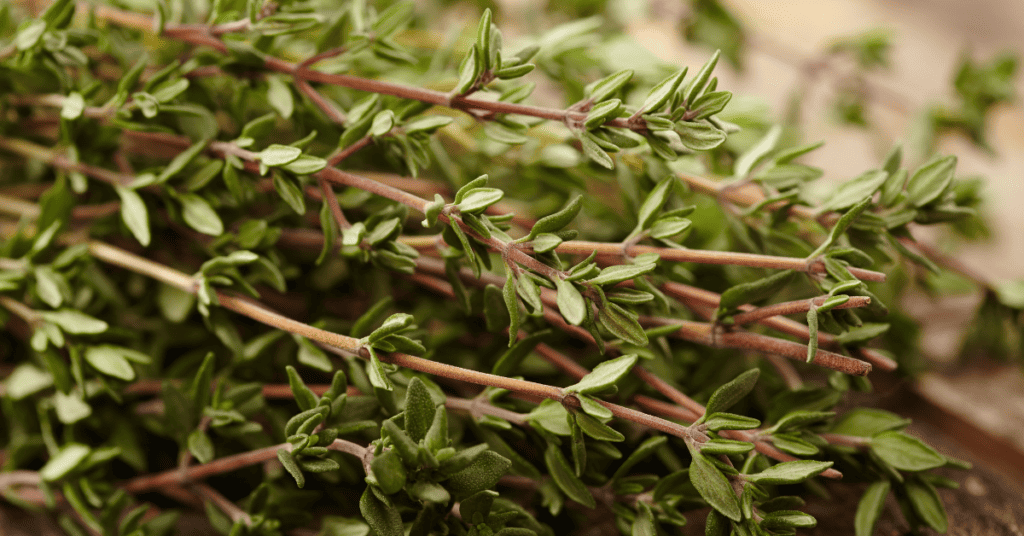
[309, 266]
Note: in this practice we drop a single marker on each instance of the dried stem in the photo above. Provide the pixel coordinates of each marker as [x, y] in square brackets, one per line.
[793, 307]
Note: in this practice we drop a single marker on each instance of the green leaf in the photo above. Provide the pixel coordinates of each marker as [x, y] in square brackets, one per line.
[713, 486]
[812, 333]
[68, 459]
[392, 19]
[709, 104]
[70, 407]
[26, 380]
[730, 421]
[931, 180]
[754, 291]
[48, 285]
[304, 397]
[666, 228]
[783, 520]
[29, 35]
[789, 472]
[616, 274]
[392, 325]
[594, 151]
[279, 155]
[183, 159]
[199, 215]
[73, 106]
[75, 322]
[570, 302]
[599, 90]
[483, 473]
[700, 79]
[927, 504]
[604, 376]
[865, 332]
[870, 507]
[429, 492]
[729, 394]
[478, 199]
[389, 471]
[305, 165]
[508, 293]
[290, 193]
[566, 479]
[653, 203]
[555, 222]
[200, 446]
[866, 422]
[639, 454]
[622, 324]
[854, 190]
[375, 369]
[597, 429]
[905, 452]
[661, 93]
[746, 161]
[288, 461]
[601, 113]
[699, 136]
[419, 410]
[469, 71]
[643, 524]
[382, 123]
[134, 214]
[715, 447]
[280, 97]
[111, 360]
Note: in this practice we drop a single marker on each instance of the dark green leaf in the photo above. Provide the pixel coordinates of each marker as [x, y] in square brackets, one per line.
[713, 486]
[616, 274]
[290, 193]
[730, 421]
[854, 190]
[927, 504]
[622, 324]
[597, 429]
[700, 79]
[383, 517]
[905, 452]
[483, 473]
[419, 410]
[74, 322]
[789, 472]
[716, 447]
[599, 90]
[389, 471]
[866, 422]
[931, 180]
[661, 93]
[290, 465]
[869, 509]
[709, 104]
[643, 524]
[729, 394]
[566, 479]
[754, 291]
[782, 520]
[555, 222]
[512, 304]
[375, 370]
[200, 446]
[304, 397]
